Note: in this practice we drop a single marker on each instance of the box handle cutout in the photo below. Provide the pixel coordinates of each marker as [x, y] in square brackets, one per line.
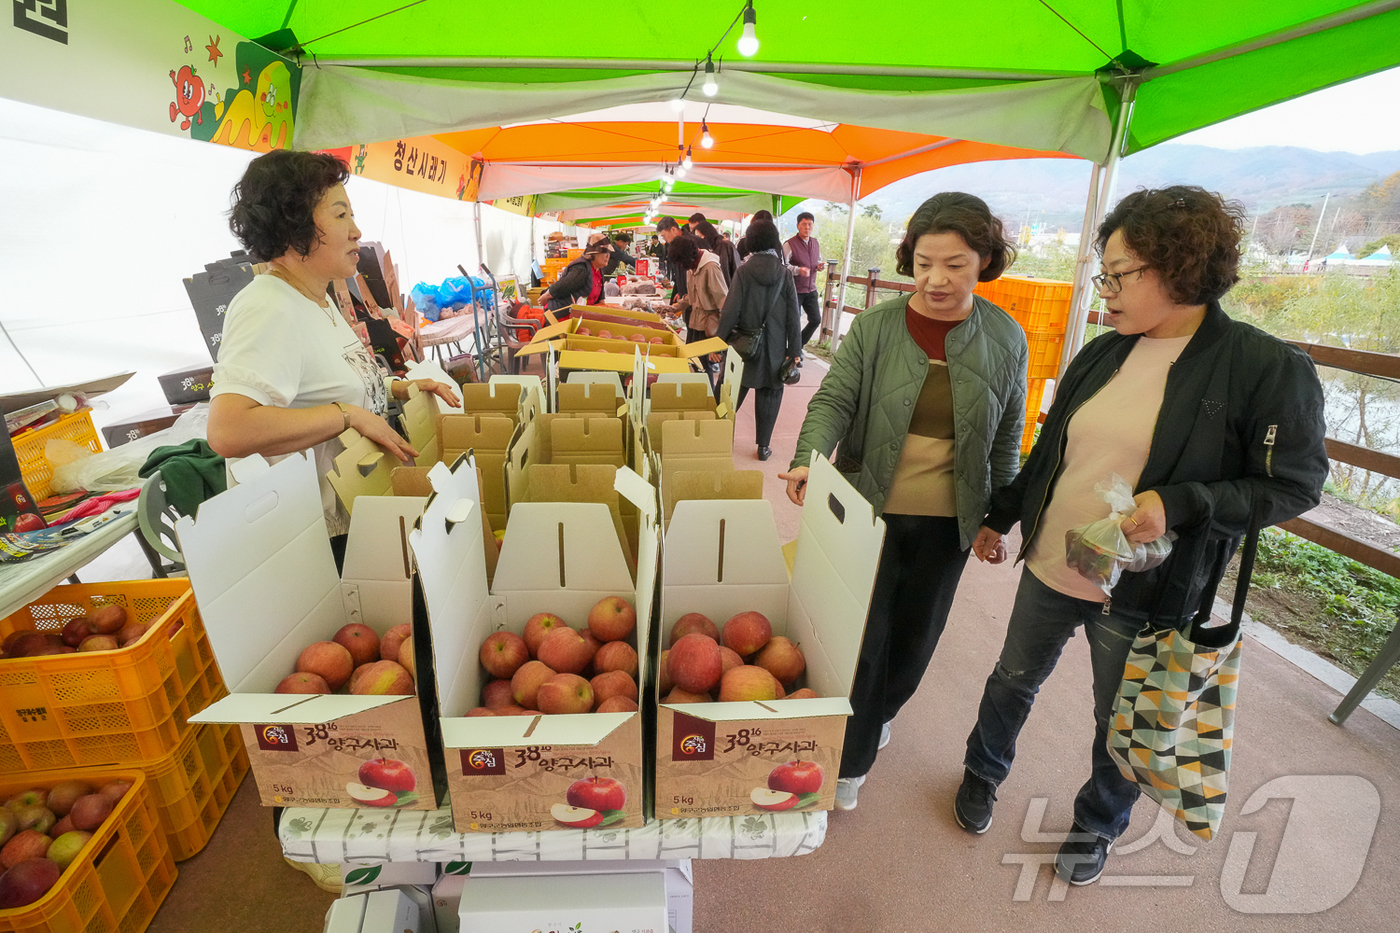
[836, 507]
[719, 572]
[368, 462]
[562, 581]
[530, 730]
[403, 544]
[461, 511]
[261, 508]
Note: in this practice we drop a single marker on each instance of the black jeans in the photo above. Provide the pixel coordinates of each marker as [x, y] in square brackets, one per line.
[812, 308]
[767, 401]
[917, 578]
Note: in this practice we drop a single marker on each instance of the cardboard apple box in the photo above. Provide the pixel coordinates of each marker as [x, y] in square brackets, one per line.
[626, 314]
[575, 352]
[633, 901]
[513, 773]
[262, 571]
[723, 557]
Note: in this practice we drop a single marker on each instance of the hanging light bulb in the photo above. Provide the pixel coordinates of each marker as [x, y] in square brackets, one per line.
[748, 42]
[680, 169]
[669, 182]
[711, 85]
[705, 139]
[688, 163]
[678, 104]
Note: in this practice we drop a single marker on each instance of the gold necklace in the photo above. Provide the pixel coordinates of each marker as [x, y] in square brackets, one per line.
[274, 270]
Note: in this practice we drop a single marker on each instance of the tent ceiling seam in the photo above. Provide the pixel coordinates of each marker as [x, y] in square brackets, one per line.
[411, 3]
[1322, 24]
[1079, 31]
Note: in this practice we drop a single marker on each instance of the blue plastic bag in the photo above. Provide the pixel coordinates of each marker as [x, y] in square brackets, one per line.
[425, 299]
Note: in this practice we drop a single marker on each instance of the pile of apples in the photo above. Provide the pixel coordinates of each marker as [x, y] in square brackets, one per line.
[744, 662]
[357, 656]
[106, 629]
[554, 668]
[43, 830]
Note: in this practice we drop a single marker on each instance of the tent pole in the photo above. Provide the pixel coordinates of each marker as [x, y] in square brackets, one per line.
[476, 222]
[1102, 185]
[846, 262]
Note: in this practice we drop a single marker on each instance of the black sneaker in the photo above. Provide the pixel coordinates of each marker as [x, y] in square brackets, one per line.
[1082, 857]
[972, 808]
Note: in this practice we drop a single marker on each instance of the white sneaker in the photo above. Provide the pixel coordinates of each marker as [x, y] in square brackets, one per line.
[326, 877]
[884, 736]
[846, 791]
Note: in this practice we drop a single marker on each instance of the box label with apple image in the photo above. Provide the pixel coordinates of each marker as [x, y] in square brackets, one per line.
[373, 759]
[550, 787]
[751, 767]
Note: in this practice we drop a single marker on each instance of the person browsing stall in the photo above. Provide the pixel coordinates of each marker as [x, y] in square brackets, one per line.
[580, 282]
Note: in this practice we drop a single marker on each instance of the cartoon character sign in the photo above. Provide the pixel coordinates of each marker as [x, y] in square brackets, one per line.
[189, 97]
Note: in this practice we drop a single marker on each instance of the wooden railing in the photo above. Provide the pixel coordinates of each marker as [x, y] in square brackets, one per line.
[1335, 539]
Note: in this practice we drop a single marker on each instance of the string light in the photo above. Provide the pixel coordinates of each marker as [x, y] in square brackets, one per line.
[711, 85]
[705, 138]
[689, 162]
[678, 103]
[748, 42]
[680, 169]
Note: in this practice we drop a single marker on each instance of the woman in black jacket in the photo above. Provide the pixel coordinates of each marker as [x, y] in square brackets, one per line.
[728, 255]
[762, 299]
[580, 282]
[1214, 424]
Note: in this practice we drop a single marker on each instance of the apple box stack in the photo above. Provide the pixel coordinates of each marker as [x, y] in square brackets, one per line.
[516, 763]
[771, 742]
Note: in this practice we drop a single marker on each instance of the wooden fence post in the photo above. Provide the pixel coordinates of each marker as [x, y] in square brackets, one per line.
[827, 317]
[870, 286]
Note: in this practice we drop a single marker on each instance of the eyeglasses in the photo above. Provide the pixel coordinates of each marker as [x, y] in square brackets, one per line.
[1112, 282]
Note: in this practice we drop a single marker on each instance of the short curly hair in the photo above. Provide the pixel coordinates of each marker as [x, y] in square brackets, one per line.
[274, 202]
[1189, 236]
[969, 217]
[683, 252]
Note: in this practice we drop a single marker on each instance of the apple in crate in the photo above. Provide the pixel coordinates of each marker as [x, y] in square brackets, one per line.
[565, 693]
[797, 777]
[694, 663]
[502, 653]
[393, 639]
[525, 685]
[37, 797]
[781, 658]
[303, 683]
[382, 679]
[616, 656]
[749, 682]
[331, 661]
[497, 694]
[747, 632]
[108, 620]
[617, 704]
[26, 845]
[537, 627]
[597, 793]
[611, 684]
[387, 774]
[66, 847]
[728, 660]
[9, 825]
[360, 640]
[693, 622]
[565, 651]
[27, 881]
[612, 618]
[89, 812]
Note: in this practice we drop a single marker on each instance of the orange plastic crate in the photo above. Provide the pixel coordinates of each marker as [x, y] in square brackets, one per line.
[1036, 304]
[1045, 349]
[194, 785]
[108, 707]
[118, 880]
[29, 448]
[1035, 394]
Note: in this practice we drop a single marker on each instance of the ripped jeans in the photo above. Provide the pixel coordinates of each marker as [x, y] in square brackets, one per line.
[1042, 621]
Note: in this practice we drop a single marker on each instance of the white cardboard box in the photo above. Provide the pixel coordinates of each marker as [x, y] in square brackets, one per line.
[507, 773]
[723, 557]
[391, 910]
[632, 901]
[262, 571]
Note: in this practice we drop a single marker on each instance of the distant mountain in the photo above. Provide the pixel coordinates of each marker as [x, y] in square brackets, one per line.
[1054, 190]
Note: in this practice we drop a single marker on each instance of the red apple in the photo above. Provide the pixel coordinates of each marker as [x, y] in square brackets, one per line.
[767, 799]
[677, 695]
[537, 627]
[575, 817]
[89, 812]
[35, 817]
[360, 640]
[76, 631]
[616, 656]
[749, 682]
[114, 790]
[728, 660]
[497, 694]
[747, 632]
[64, 825]
[407, 659]
[28, 643]
[693, 622]
[98, 643]
[383, 679]
[638, 338]
[388, 774]
[806, 693]
[28, 521]
[797, 777]
[301, 682]
[597, 793]
[392, 640]
[617, 704]
[611, 684]
[131, 632]
[27, 881]
[502, 653]
[332, 661]
[109, 620]
[565, 651]
[612, 618]
[525, 685]
[694, 663]
[27, 844]
[478, 711]
[565, 693]
[781, 658]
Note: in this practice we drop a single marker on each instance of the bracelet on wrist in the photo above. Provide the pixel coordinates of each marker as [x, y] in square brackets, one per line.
[345, 413]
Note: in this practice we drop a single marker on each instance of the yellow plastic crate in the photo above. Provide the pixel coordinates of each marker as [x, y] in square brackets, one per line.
[106, 707]
[1036, 304]
[29, 448]
[1045, 347]
[1035, 394]
[193, 786]
[118, 880]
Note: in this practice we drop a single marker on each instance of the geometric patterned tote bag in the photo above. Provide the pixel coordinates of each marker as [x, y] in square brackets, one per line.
[1173, 724]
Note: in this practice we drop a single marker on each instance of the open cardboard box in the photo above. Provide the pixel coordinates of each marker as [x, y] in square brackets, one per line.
[262, 571]
[509, 773]
[723, 557]
[671, 355]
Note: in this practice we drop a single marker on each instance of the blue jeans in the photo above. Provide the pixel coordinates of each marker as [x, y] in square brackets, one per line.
[1042, 621]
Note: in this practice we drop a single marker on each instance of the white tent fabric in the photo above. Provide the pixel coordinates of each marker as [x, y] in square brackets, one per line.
[342, 106]
[502, 180]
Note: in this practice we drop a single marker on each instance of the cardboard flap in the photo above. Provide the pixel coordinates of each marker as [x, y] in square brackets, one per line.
[587, 440]
[460, 433]
[571, 539]
[448, 547]
[771, 710]
[672, 394]
[729, 541]
[712, 484]
[598, 394]
[611, 379]
[377, 552]
[703, 347]
[838, 551]
[492, 397]
[432, 369]
[512, 731]
[289, 708]
[552, 331]
[419, 420]
[361, 469]
[257, 556]
[531, 395]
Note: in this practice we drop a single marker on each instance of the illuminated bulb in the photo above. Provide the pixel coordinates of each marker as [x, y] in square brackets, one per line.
[711, 86]
[748, 42]
[705, 139]
[678, 104]
[688, 163]
[680, 170]
[669, 183]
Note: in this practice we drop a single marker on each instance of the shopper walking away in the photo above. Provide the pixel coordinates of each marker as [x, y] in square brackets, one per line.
[804, 256]
[705, 295]
[715, 243]
[762, 301]
[923, 406]
[1212, 422]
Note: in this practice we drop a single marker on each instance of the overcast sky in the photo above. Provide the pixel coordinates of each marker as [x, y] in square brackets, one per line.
[1359, 116]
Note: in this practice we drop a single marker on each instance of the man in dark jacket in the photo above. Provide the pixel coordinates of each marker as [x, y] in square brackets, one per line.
[804, 256]
[621, 243]
[668, 230]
